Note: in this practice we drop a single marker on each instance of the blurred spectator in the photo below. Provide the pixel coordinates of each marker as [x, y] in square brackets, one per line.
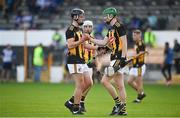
[99, 29]
[147, 2]
[47, 7]
[162, 23]
[152, 19]
[5, 14]
[27, 20]
[9, 5]
[125, 19]
[173, 22]
[7, 58]
[176, 51]
[149, 38]
[42, 3]
[135, 22]
[168, 61]
[57, 38]
[32, 6]
[18, 20]
[38, 62]
[23, 20]
[170, 3]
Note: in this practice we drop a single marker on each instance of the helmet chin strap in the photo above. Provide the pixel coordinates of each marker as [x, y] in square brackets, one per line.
[76, 19]
[80, 23]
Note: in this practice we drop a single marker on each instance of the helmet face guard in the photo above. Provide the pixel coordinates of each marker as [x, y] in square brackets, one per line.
[108, 18]
[77, 14]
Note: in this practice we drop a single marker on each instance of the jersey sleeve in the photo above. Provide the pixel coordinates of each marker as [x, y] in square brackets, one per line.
[69, 34]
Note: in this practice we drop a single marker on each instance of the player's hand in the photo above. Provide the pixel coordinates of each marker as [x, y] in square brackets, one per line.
[85, 37]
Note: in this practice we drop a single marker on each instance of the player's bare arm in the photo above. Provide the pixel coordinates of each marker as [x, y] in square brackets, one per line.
[90, 47]
[100, 42]
[72, 43]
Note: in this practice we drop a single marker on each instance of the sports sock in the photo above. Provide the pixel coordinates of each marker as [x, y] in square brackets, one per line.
[117, 101]
[123, 103]
[83, 98]
[71, 100]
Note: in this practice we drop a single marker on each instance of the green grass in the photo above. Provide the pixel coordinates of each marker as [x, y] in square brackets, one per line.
[47, 100]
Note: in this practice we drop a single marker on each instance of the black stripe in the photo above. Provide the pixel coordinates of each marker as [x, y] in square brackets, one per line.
[89, 55]
[77, 48]
[117, 41]
[83, 52]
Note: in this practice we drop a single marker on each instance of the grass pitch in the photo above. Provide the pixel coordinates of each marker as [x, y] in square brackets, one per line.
[47, 100]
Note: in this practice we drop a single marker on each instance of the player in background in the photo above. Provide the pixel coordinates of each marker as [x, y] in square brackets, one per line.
[89, 54]
[167, 64]
[138, 67]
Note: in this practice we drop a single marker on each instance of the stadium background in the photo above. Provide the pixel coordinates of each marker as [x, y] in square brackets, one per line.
[35, 21]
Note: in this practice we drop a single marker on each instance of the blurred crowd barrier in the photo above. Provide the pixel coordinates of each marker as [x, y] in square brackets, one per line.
[55, 60]
[34, 37]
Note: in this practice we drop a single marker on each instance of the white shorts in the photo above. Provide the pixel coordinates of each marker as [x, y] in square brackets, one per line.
[77, 68]
[124, 70]
[138, 71]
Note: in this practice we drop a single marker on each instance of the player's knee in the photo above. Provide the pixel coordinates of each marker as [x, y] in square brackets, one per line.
[129, 82]
[121, 87]
[90, 83]
[103, 81]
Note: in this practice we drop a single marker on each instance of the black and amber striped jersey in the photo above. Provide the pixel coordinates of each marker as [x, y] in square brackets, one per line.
[117, 30]
[75, 55]
[139, 47]
[88, 54]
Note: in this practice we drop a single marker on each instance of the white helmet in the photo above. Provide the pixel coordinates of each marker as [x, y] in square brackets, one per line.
[88, 22]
